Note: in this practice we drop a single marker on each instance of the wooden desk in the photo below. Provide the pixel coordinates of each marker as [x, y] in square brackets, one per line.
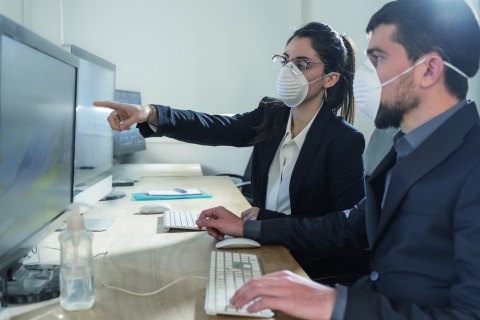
[142, 258]
[159, 169]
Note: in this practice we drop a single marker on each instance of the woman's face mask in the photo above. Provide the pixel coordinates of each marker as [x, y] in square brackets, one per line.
[292, 86]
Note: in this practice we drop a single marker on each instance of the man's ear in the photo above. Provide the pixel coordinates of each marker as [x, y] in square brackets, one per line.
[434, 71]
[331, 79]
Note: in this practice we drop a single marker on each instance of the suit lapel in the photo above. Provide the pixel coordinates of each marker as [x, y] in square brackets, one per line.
[375, 191]
[434, 150]
[307, 154]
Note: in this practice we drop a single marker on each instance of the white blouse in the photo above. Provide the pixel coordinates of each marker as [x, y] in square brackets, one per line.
[280, 173]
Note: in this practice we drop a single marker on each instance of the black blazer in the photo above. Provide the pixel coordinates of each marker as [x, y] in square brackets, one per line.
[329, 172]
[425, 253]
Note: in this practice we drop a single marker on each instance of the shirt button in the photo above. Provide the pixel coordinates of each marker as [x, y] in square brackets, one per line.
[374, 276]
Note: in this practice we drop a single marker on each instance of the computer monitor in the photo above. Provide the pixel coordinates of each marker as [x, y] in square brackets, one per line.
[37, 118]
[94, 136]
[128, 141]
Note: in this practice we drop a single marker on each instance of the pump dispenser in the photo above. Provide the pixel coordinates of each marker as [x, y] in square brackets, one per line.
[76, 270]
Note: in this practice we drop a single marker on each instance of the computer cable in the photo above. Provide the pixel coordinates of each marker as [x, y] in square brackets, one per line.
[137, 293]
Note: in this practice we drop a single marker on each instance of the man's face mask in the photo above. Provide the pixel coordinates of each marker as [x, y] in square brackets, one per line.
[367, 88]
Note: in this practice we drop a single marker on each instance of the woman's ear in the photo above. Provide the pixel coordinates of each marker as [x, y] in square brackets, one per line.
[331, 79]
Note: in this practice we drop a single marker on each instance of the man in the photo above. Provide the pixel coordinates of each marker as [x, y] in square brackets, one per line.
[421, 214]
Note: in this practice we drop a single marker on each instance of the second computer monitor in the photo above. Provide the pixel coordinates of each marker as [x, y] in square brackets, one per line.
[93, 137]
[129, 141]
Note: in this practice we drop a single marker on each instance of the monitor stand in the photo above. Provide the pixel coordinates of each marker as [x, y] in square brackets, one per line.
[113, 195]
[122, 182]
[30, 283]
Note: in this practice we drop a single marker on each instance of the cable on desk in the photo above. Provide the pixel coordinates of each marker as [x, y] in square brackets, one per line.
[120, 289]
[136, 293]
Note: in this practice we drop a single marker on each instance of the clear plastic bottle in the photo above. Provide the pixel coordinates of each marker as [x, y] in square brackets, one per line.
[76, 270]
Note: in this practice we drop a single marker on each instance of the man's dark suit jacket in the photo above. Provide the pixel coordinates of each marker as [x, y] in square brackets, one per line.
[328, 175]
[425, 243]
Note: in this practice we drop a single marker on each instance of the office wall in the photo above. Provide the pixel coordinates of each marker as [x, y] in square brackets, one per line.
[209, 55]
[43, 17]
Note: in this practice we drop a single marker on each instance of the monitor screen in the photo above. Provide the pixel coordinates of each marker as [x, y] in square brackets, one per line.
[37, 117]
[128, 141]
[94, 137]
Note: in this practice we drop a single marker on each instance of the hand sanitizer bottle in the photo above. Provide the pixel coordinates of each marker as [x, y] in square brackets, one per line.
[76, 270]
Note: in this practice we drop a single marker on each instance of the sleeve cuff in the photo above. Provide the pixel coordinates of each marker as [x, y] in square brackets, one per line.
[154, 128]
[340, 303]
[252, 229]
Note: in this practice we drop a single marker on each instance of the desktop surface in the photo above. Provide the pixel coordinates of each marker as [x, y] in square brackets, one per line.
[142, 258]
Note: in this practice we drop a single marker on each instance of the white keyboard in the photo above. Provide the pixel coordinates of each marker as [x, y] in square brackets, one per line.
[228, 272]
[179, 220]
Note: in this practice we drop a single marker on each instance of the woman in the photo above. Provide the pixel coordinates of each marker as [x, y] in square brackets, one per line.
[306, 161]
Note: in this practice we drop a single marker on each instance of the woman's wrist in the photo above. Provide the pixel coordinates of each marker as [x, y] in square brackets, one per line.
[152, 116]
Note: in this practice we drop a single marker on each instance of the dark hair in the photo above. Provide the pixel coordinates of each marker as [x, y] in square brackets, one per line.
[446, 27]
[338, 54]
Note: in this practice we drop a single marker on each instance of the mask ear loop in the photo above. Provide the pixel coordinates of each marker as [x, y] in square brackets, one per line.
[451, 66]
[323, 77]
[325, 97]
[404, 72]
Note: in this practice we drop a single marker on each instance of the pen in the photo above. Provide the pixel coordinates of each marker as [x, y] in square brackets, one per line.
[180, 190]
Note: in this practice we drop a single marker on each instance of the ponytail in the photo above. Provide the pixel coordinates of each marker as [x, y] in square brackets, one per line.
[347, 109]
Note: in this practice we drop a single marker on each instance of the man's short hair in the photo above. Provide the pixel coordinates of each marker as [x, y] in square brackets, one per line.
[449, 28]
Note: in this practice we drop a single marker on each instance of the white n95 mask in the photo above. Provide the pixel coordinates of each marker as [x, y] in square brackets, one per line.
[367, 88]
[292, 86]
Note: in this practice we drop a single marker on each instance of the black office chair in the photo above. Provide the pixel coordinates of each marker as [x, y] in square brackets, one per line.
[244, 183]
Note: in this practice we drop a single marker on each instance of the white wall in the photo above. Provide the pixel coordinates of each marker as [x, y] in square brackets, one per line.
[209, 55]
[43, 17]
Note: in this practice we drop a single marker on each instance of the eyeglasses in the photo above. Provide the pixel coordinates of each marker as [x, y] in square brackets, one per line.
[279, 62]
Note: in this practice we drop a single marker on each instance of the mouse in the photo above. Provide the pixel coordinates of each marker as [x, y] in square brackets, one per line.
[157, 207]
[237, 243]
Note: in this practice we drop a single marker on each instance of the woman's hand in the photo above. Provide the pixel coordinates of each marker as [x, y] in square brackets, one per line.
[125, 115]
[250, 214]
